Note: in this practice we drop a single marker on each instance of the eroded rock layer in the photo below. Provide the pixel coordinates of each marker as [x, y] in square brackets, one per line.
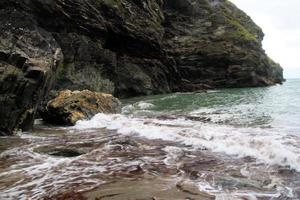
[29, 56]
[124, 47]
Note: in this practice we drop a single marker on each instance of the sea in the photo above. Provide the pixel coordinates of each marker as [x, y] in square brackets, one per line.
[225, 144]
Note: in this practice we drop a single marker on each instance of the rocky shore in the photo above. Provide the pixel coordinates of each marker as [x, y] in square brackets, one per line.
[123, 47]
[63, 164]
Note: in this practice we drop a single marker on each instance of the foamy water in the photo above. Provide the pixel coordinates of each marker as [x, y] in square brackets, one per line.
[257, 123]
[264, 144]
[232, 144]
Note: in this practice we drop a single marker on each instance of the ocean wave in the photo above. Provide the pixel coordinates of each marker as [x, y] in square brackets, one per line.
[266, 145]
[137, 107]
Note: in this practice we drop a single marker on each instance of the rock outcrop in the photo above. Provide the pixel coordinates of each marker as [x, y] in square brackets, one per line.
[29, 57]
[124, 47]
[68, 107]
[217, 45]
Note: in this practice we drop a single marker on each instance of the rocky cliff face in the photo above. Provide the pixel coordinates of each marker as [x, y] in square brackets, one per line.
[217, 45]
[29, 56]
[124, 47]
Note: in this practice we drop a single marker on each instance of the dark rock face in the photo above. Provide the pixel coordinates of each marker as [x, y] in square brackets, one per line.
[217, 45]
[29, 56]
[124, 47]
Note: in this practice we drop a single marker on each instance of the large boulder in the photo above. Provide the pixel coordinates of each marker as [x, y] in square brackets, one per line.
[70, 106]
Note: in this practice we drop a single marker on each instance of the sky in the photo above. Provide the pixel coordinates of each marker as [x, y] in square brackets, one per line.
[280, 21]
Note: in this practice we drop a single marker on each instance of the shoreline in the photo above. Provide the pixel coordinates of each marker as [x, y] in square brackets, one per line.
[113, 166]
[247, 149]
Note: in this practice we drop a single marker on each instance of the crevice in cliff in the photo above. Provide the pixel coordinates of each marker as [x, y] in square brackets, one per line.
[135, 47]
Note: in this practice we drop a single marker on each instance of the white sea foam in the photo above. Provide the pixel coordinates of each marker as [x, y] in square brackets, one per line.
[267, 145]
[46, 175]
[144, 105]
[137, 107]
[174, 154]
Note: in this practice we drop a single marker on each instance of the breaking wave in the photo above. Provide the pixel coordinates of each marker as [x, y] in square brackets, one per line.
[266, 145]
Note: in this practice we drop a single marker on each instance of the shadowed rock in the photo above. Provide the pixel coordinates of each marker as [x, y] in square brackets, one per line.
[59, 152]
[29, 57]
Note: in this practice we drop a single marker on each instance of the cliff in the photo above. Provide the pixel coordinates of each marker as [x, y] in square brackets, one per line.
[124, 47]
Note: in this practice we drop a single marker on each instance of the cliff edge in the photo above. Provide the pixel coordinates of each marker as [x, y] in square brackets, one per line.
[124, 47]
